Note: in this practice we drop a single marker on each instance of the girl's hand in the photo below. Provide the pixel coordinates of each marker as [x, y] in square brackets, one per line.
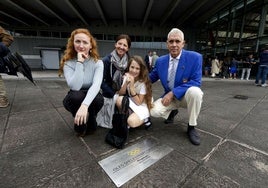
[128, 79]
[131, 80]
[125, 79]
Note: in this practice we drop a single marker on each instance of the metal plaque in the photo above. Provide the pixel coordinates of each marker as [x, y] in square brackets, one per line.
[129, 162]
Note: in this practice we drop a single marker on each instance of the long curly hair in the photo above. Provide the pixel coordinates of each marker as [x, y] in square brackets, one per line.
[70, 52]
[143, 77]
[5, 37]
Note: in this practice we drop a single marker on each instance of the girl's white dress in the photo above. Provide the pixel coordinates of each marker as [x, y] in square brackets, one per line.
[141, 110]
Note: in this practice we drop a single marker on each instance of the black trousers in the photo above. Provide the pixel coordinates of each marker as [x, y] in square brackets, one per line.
[74, 99]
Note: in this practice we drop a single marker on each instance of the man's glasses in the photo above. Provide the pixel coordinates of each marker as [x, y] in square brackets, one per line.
[172, 41]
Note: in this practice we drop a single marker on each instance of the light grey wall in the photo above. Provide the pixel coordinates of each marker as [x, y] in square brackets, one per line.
[30, 48]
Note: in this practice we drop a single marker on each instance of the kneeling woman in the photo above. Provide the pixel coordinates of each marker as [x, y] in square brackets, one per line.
[138, 87]
[83, 72]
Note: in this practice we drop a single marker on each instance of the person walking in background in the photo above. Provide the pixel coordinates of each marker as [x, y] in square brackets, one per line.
[5, 41]
[180, 73]
[215, 67]
[83, 72]
[263, 68]
[247, 65]
[233, 68]
[225, 67]
[115, 65]
[148, 60]
[138, 87]
[207, 66]
[154, 58]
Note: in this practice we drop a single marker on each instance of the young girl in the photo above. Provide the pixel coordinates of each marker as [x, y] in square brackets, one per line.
[138, 87]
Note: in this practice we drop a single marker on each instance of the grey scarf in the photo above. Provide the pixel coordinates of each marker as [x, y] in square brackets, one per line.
[121, 65]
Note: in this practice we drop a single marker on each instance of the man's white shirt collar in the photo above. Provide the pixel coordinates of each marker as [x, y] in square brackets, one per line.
[178, 57]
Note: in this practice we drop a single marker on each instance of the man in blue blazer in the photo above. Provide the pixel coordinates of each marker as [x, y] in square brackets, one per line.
[180, 73]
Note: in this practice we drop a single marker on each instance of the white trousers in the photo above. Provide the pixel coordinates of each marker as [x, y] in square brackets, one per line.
[192, 100]
[243, 73]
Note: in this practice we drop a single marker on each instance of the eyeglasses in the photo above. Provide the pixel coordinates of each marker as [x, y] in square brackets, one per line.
[172, 41]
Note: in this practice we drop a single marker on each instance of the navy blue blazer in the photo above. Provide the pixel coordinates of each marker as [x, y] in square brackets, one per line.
[188, 74]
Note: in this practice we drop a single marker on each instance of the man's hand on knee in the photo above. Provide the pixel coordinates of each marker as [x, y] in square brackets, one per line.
[167, 99]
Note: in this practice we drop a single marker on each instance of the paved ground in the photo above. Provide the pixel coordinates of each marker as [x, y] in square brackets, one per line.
[40, 149]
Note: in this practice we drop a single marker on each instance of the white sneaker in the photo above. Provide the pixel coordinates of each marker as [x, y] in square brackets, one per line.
[264, 85]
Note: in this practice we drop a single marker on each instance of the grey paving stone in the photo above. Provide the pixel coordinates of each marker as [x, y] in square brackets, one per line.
[176, 137]
[88, 175]
[33, 127]
[169, 171]
[39, 147]
[253, 130]
[39, 163]
[242, 164]
[204, 177]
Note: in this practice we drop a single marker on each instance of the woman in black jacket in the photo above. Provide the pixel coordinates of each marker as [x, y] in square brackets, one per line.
[115, 65]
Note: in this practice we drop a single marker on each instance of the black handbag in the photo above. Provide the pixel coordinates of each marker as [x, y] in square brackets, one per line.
[117, 136]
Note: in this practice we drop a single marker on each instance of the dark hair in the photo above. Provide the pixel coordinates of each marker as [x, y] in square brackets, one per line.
[124, 36]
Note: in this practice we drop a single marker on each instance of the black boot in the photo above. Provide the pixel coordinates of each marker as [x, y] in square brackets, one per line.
[80, 129]
[91, 124]
[193, 135]
[171, 116]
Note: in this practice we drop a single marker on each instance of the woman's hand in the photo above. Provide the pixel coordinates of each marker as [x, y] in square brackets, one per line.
[81, 115]
[81, 57]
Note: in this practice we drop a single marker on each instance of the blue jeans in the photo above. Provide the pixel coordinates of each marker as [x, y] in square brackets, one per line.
[262, 73]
